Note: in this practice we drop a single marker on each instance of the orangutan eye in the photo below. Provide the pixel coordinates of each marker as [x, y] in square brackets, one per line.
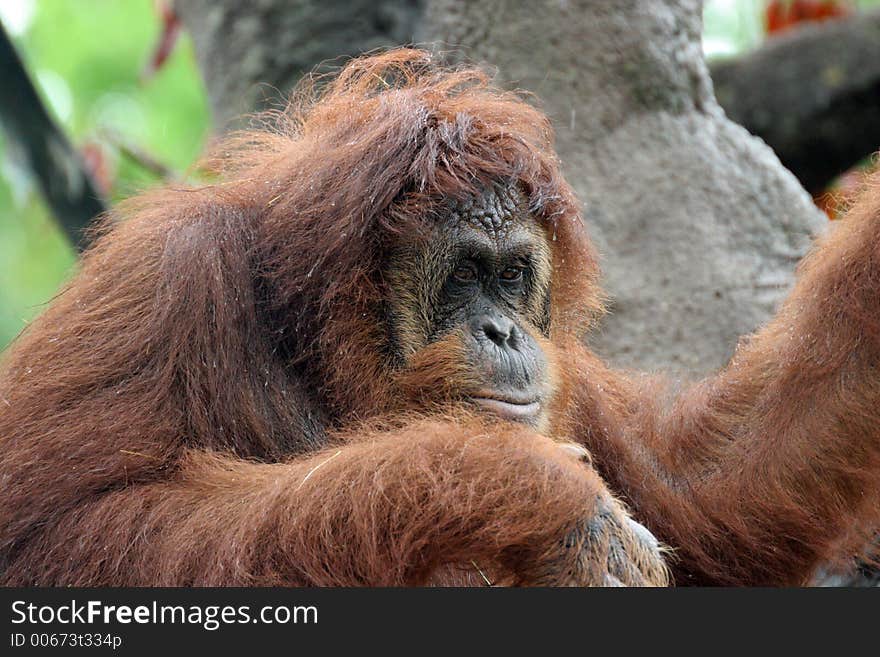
[512, 274]
[465, 273]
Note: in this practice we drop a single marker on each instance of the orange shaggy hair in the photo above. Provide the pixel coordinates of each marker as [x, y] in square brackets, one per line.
[208, 400]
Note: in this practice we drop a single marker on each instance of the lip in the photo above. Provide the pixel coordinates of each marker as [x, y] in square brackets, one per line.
[509, 408]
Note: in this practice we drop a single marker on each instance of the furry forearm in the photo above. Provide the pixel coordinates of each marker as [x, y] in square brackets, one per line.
[760, 473]
[383, 509]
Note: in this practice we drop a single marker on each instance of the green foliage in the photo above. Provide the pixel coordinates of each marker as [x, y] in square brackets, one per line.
[34, 258]
[86, 57]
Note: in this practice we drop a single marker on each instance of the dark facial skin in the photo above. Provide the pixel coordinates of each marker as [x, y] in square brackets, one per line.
[485, 273]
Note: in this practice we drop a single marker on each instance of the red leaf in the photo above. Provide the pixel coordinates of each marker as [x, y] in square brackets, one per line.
[167, 39]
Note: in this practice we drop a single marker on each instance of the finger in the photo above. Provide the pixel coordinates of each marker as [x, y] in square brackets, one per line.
[621, 565]
[577, 451]
[611, 580]
[648, 556]
[644, 534]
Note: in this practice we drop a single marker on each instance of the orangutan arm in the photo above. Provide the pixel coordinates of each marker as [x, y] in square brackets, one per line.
[759, 474]
[388, 509]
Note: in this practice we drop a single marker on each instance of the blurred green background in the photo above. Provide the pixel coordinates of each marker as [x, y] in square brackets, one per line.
[86, 57]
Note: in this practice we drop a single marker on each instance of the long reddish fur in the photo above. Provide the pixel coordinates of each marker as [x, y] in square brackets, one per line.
[760, 473]
[208, 400]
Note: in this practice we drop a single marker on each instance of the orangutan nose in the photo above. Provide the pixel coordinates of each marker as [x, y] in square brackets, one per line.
[497, 328]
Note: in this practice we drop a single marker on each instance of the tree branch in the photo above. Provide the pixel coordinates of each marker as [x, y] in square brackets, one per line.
[66, 185]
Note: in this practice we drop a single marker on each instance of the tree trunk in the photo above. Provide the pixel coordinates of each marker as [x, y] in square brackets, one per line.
[253, 53]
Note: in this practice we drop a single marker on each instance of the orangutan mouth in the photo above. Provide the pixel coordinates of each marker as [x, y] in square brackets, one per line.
[508, 407]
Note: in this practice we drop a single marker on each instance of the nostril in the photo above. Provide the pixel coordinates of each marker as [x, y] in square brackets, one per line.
[497, 329]
[495, 335]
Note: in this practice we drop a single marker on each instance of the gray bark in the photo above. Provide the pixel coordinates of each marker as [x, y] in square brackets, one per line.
[813, 94]
[252, 53]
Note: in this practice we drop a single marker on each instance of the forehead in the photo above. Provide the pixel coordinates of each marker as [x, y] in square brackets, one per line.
[493, 212]
[498, 220]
